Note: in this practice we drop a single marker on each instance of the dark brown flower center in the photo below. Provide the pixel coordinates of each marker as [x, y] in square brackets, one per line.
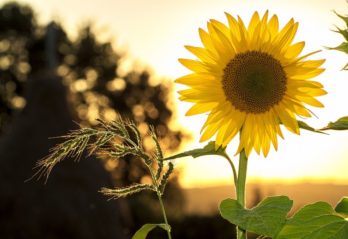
[254, 82]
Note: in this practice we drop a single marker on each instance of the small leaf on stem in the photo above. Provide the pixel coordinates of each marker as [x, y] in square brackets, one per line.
[209, 149]
[340, 124]
[145, 229]
[304, 125]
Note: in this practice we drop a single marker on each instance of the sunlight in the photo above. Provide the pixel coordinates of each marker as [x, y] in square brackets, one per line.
[156, 33]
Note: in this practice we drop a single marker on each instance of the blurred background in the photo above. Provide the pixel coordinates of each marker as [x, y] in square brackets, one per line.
[64, 63]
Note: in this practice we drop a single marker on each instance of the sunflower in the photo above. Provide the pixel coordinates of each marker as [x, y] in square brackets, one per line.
[250, 79]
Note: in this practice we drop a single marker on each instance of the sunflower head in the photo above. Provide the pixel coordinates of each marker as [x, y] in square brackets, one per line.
[250, 79]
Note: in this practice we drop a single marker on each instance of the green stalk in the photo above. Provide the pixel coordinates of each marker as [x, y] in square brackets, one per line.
[164, 215]
[240, 188]
[159, 195]
[234, 171]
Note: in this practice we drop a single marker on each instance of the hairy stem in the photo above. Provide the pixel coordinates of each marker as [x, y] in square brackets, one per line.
[159, 195]
[164, 215]
[242, 173]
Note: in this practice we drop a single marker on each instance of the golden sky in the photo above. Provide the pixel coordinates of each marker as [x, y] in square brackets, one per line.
[154, 32]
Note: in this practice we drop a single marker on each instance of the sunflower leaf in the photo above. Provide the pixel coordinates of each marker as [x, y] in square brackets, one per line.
[267, 218]
[343, 32]
[340, 124]
[305, 126]
[342, 207]
[342, 47]
[318, 220]
[209, 149]
[344, 18]
[145, 229]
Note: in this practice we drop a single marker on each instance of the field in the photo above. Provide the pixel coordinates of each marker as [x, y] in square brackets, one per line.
[205, 200]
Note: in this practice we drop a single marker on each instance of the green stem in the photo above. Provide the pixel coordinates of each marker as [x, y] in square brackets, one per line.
[164, 215]
[240, 188]
[159, 195]
[235, 178]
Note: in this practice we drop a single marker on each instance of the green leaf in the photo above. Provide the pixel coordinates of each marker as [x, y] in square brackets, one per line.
[267, 218]
[342, 47]
[344, 18]
[209, 149]
[145, 229]
[342, 207]
[315, 221]
[305, 126]
[340, 124]
[343, 32]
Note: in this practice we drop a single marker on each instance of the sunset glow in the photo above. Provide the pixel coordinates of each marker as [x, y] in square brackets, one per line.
[154, 32]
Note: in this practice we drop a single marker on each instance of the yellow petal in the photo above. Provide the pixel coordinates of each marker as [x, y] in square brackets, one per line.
[294, 50]
[219, 112]
[255, 20]
[303, 76]
[193, 93]
[266, 144]
[302, 111]
[304, 83]
[201, 53]
[312, 63]
[284, 38]
[234, 28]
[288, 119]
[228, 51]
[222, 27]
[195, 79]
[236, 120]
[200, 108]
[305, 56]
[207, 41]
[303, 91]
[273, 25]
[244, 35]
[198, 66]
[310, 101]
[222, 131]
[270, 126]
[234, 127]
[209, 132]
[245, 138]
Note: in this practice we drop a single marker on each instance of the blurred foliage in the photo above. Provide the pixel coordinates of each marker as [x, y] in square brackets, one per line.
[90, 70]
[17, 28]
